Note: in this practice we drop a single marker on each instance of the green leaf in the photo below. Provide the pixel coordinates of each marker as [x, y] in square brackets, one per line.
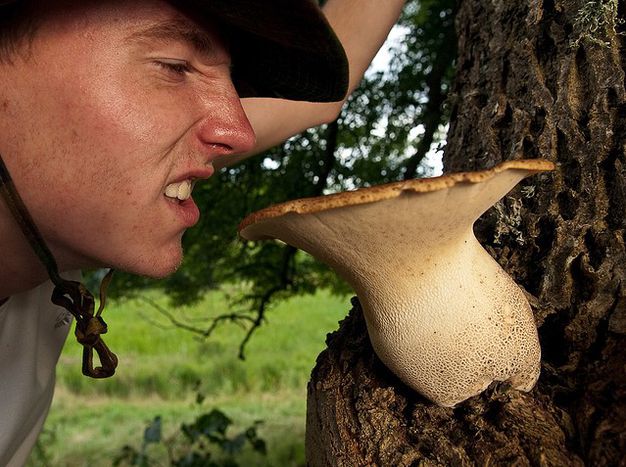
[152, 433]
[214, 421]
[235, 445]
[259, 446]
[212, 425]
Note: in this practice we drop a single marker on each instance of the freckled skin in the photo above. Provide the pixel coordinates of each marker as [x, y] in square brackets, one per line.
[92, 129]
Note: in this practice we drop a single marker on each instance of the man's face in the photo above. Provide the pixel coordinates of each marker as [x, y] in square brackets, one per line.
[114, 102]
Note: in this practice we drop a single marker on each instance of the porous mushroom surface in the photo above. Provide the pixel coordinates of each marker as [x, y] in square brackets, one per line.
[440, 311]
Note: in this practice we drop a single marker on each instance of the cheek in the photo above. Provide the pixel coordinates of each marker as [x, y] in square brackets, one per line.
[127, 108]
[109, 146]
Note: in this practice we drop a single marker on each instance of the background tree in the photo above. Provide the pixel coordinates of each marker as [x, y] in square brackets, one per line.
[534, 79]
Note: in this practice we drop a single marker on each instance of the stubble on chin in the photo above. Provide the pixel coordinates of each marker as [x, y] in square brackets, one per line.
[151, 265]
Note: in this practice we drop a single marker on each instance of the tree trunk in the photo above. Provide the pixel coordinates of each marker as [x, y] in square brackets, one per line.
[534, 79]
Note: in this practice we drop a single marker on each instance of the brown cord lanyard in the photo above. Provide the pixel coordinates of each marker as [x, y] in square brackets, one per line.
[71, 295]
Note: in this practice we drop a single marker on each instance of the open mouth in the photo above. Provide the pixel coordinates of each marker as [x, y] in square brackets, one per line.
[178, 195]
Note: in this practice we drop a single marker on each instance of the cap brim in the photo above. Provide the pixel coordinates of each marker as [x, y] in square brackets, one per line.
[279, 48]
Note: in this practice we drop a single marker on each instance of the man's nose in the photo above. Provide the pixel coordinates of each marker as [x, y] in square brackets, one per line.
[225, 129]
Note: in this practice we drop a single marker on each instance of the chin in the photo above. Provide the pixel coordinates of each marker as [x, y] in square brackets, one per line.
[155, 267]
[161, 271]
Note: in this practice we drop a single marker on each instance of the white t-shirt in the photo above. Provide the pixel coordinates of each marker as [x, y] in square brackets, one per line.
[32, 333]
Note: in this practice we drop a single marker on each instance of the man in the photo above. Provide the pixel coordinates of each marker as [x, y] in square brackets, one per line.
[109, 113]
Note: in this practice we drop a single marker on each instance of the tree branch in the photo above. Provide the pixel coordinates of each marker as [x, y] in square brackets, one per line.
[202, 332]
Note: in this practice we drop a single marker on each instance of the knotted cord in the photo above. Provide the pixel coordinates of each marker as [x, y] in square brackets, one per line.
[71, 295]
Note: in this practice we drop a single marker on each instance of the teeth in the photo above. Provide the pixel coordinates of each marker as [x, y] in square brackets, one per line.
[181, 190]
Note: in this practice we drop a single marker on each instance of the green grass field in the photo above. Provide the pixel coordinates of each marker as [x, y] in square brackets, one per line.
[161, 370]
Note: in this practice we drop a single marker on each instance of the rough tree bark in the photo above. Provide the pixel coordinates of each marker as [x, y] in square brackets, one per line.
[533, 80]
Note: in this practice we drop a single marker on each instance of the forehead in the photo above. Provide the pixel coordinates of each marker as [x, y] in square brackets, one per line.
[177, 28]
[136, 22]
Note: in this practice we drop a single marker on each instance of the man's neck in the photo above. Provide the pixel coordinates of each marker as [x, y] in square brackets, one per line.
[21, 269]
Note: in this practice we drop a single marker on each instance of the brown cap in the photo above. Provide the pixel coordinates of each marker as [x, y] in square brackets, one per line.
[279, 48]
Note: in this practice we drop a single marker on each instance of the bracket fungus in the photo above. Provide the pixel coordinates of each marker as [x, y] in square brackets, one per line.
[440, 311]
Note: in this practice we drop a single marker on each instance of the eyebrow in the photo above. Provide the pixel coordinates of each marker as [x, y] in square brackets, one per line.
[177, 30]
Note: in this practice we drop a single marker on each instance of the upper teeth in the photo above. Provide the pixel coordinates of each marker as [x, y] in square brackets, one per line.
[180, 190]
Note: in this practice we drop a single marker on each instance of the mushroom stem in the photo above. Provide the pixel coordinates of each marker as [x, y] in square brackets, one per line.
[440, 312]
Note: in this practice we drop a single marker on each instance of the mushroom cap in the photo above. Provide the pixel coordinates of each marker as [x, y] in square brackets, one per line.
[389, 190]
[440, 312]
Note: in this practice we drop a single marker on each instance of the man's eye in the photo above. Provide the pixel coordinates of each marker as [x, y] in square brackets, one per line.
[179, 67]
